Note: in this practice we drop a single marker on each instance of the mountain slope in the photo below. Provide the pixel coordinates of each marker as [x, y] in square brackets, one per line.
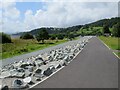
[99, 23]
[109, 22]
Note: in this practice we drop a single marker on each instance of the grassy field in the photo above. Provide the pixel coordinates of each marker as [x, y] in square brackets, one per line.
[19, 46]
[112, 42]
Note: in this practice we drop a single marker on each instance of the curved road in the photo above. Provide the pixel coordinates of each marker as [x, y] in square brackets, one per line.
[95, 67]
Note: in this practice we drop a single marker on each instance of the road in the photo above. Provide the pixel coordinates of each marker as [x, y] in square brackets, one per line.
[95, 67]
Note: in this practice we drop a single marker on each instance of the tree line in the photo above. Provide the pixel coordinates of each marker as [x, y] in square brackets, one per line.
[104, 30]
[109, 26]
[44, 35]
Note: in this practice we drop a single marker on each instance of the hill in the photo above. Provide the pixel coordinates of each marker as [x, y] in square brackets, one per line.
[99, 23]
[52, 30]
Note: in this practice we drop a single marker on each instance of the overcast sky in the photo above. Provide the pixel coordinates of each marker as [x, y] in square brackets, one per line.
[25, 16]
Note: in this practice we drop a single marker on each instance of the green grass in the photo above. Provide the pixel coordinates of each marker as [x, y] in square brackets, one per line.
[19, 47]
[112, 42]
[118, 54]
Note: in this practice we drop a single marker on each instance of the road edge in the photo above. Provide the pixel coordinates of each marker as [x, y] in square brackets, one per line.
[109, 48]
[58, 69]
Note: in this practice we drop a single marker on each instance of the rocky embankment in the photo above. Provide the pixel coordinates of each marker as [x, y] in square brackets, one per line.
[27, 73]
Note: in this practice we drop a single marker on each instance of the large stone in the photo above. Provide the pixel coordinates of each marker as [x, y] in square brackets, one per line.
[27, 73]
[5, 87]
[56, 64]
[5, 74]
[20, 75]
[13, 72]
[27, 80]
[19, 84]
[48, 72]
[66, 58]
[23, 65]
[38, 73]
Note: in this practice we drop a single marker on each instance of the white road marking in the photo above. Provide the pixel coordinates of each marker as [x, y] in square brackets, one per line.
[57, 70]
[116, 55]
[109, 48]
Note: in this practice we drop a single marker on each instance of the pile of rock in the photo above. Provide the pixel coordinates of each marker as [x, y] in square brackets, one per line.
[37, 68]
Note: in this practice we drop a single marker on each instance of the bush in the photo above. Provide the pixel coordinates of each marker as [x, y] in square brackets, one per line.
[26, 36]
[5, 38]
[42, 35]
[60, 36]
[71, 36]
[106, 29]
[53, 37]
[116, 30]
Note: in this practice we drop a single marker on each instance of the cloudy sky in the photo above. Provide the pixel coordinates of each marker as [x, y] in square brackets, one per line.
[25, 16]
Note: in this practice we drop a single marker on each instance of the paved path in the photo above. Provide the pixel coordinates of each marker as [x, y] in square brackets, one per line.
[94, 67]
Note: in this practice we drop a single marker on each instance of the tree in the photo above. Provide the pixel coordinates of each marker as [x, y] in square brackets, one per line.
[71, 36]
[26, 36]
[53, 37]
[106, 29]
[116, 30]
[5, 38]
[60, 36]
[42, 35]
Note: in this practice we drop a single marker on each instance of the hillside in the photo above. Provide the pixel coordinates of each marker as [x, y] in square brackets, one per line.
[99, 23]
[52, 30]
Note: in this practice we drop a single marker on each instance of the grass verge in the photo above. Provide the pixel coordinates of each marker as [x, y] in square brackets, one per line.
[112, 42]
[118, 54]
[18, 47]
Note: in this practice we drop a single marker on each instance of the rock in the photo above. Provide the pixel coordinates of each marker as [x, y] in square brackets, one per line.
[13, 73]
[56, 64]
[38, 73]
[29, 68]
[52, 68]
[20, 75]
[5, 87]
[19, 84]
[48, 72]
[27, 80]
[65, 63]
[23, 65]
[20, 70]
[28, 73]
[5, 74]
[39, 58]
[66, 58]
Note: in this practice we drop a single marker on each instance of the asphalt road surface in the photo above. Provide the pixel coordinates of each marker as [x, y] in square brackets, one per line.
[95, 67]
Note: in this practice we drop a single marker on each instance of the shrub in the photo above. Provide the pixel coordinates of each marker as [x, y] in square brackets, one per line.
[53, 37]
[42, 35]
[116, 30]
[106, 29]
[26, 36]
[60, 36]
[5, 38]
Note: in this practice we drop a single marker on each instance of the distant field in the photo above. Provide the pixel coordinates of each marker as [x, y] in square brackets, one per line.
[112, 42]
[24, 46]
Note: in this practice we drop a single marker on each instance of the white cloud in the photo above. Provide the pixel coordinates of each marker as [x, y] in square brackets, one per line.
[29, 20]
[12, 13]
[62, 14]
[57, 14]
[9, 17]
